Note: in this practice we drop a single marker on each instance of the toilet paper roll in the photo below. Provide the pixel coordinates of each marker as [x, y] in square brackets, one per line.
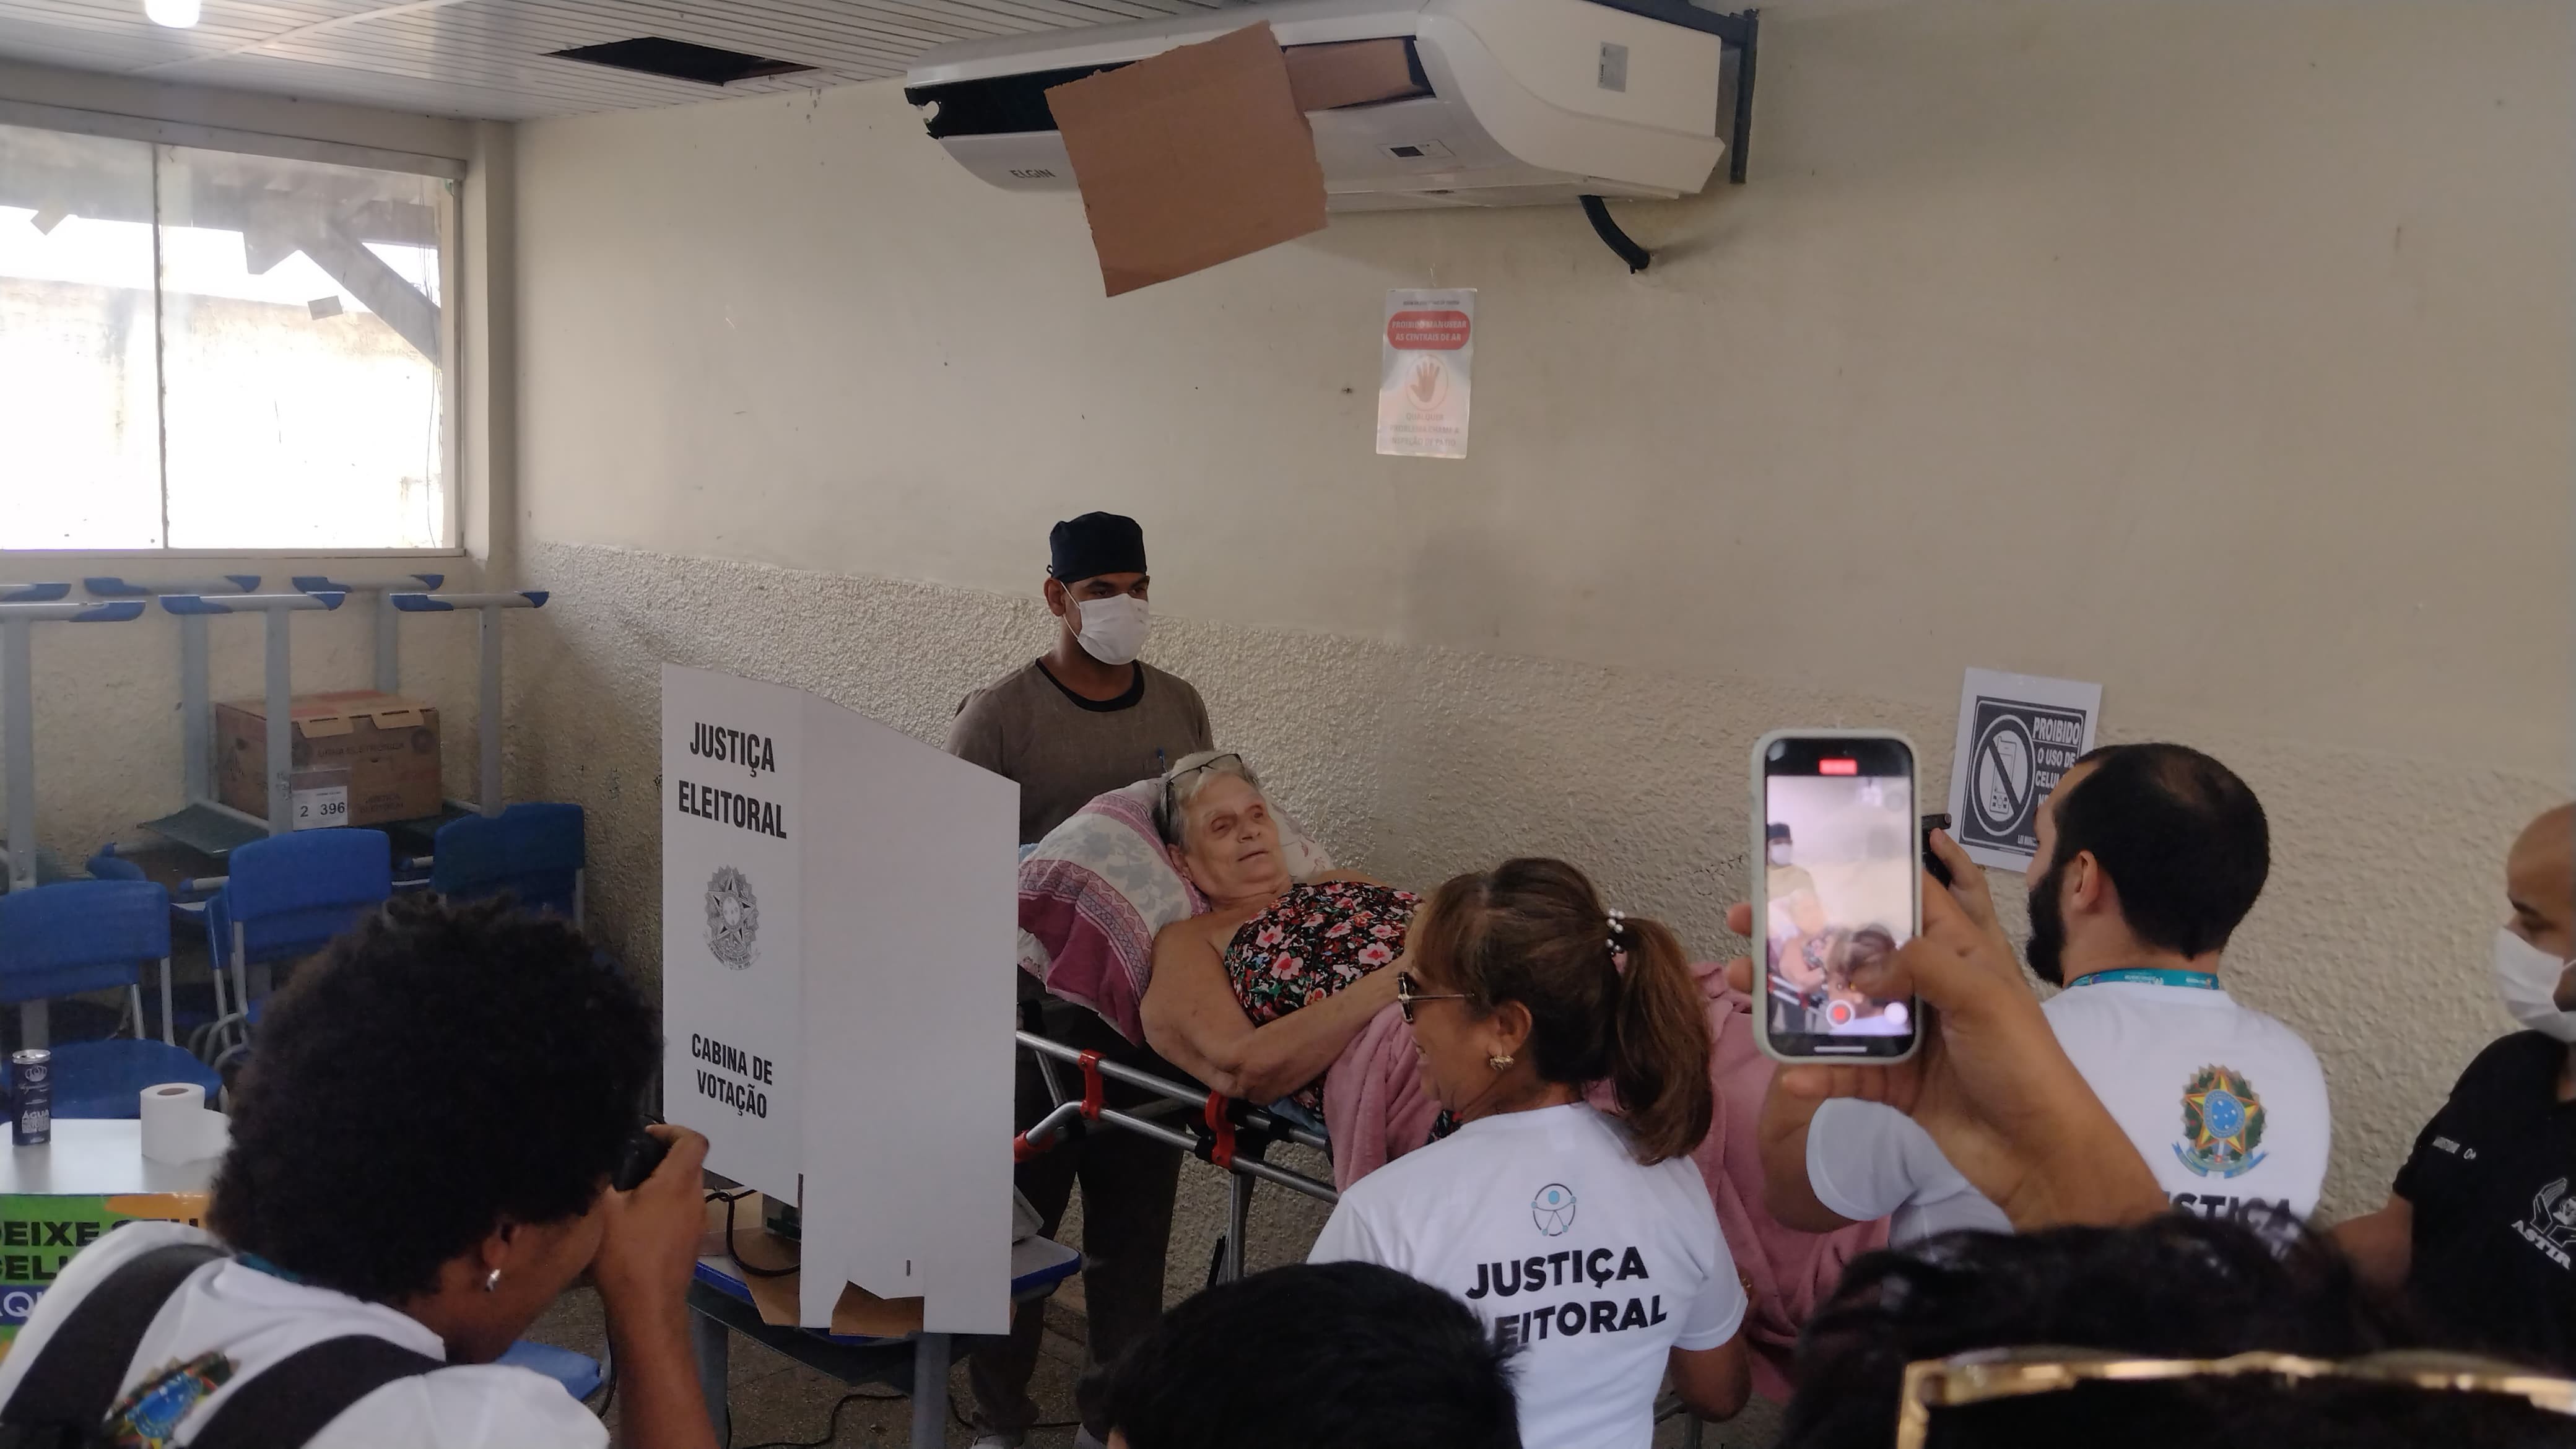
[178, 1127]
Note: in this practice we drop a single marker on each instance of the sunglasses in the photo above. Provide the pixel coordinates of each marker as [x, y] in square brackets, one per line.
[1408, 991]
[1171, 786]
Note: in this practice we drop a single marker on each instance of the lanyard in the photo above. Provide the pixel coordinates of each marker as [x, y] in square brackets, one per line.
[2151, 976]
[258, 1264]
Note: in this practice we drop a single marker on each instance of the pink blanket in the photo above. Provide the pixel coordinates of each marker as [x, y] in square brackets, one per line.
[1374, 1104]
[1377, 1110]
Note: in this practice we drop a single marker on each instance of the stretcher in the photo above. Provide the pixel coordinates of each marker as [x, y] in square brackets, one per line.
[1210, 1126]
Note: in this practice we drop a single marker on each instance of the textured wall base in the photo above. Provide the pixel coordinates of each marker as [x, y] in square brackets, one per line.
[1416, 763]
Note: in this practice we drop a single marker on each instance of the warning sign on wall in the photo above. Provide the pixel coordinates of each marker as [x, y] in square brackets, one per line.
[2017, 734]
[1426, 351]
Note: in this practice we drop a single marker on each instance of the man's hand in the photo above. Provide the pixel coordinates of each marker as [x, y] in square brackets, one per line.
[651, 1245]
[1968, 889]
[1989, 1081]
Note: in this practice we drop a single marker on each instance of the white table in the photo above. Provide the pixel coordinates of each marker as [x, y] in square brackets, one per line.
[96, 1159]
[60, 1197]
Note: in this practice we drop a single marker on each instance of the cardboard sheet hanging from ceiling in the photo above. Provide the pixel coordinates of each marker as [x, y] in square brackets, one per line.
[1202, 154]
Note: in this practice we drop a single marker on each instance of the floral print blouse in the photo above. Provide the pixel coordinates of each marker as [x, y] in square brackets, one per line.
[1313, 941]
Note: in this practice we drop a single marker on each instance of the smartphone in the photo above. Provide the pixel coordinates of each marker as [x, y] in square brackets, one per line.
[642, 1153]
[1839, 883]
[1933, 865]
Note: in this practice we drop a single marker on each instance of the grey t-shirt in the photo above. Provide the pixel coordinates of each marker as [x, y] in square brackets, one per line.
[1064, 749]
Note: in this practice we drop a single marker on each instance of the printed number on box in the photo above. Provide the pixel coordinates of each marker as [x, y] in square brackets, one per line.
[321, 808]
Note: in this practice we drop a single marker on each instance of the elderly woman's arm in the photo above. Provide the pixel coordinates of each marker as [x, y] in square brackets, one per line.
[1192, 1018]
[1714, 1382]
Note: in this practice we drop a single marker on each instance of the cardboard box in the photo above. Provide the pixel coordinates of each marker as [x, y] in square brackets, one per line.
[386, 744]
[1202, 154]
[1189, 158]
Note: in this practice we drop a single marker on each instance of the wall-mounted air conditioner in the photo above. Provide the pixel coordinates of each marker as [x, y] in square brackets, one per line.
[1513, 102]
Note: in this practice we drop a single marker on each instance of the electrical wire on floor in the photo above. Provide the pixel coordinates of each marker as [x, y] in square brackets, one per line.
[729, 1199]
[831, 1426]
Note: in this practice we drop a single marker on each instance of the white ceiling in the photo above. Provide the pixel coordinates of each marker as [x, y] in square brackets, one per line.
[488, 58]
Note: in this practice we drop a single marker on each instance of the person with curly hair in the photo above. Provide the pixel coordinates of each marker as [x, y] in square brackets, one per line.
[2132, 1336]
[422, 1148]
[1350, 1355]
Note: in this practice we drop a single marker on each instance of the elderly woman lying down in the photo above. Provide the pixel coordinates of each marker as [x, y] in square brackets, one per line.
[1281, 988]
[1258, 996]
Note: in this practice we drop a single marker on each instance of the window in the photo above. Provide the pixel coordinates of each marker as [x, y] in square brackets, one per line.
[208, 350]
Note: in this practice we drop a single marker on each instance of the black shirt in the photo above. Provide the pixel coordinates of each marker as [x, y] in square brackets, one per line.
[2493, 1185]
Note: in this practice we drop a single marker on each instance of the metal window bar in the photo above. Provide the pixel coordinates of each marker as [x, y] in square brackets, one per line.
[388, 617]
[278, 698]
[195, 724]
[18, 706]
[488, 695]
[26, 606]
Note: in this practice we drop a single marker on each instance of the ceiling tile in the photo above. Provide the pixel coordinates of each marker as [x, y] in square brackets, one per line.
[490, 59]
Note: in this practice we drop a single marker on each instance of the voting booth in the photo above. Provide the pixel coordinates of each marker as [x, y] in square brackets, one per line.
[838, 909]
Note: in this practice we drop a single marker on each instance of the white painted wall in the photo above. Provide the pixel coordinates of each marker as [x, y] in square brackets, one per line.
[2218, 353]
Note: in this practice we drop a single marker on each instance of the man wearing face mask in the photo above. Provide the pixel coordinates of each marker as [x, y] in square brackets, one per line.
[2480, 1229]
[2149, 856]
[1082, 719]
[1087, 716]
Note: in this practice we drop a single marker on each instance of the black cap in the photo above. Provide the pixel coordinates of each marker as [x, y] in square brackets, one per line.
[1095, 544]
[1776, 830]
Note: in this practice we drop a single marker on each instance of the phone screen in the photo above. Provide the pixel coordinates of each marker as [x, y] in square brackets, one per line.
[1840, 876]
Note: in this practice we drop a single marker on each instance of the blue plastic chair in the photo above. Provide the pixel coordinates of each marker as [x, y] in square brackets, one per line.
[533, 850]
[284, 899]
[579, 1373]
[82, 936]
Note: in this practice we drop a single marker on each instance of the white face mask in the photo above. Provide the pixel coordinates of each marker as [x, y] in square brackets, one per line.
[1113, 629]
[2527, 978]
[1779, 853]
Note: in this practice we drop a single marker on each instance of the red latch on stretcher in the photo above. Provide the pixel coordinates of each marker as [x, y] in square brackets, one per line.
[1055, 1125]
[1092, 1091]
[1220, 1132]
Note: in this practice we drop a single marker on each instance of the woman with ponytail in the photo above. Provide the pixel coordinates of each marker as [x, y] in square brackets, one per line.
[1584, 1241]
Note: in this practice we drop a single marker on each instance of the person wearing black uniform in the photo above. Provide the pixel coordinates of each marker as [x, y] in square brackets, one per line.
[2480, 1230]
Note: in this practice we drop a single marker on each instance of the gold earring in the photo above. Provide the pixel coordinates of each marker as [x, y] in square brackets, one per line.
[1500, 1061]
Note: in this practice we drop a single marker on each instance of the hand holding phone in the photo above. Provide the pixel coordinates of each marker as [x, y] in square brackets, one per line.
[643, 1153]
[1933, 864]
[1838, 892]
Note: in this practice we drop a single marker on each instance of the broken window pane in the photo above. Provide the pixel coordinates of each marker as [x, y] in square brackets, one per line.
[300, 340]
[80, 430]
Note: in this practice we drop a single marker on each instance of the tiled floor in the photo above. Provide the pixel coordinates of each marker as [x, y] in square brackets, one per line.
[779, 1403]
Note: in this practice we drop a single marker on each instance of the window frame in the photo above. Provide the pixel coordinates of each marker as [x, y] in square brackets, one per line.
[118, 126]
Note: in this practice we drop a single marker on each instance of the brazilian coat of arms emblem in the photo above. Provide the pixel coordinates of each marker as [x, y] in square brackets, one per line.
[2222, 1124]
[733, 918]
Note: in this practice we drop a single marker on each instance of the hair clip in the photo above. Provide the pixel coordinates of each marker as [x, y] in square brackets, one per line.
[1618, 928]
